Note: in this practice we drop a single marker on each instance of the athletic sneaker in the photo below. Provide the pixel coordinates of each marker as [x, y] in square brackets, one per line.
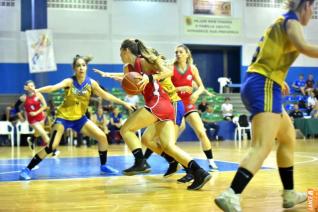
[186, 178]
[25, 174]
[201, 177]
[172, 169]
[137, 168]
[212, 165]
[228, 201]
[31, 143]
[292, 198]
[106, 169]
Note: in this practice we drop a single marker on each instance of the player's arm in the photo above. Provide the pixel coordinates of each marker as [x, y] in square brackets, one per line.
[296, 36]
[198, 81]
[107, 96]
[51, 88]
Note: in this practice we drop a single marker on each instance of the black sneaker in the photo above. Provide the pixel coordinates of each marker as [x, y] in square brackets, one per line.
[201, 177]
[187, 178]
[172, 169]
[137, 168]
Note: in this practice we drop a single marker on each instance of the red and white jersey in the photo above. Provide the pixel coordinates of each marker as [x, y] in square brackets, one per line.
[155, 98]
[182, 79]
[33, 104]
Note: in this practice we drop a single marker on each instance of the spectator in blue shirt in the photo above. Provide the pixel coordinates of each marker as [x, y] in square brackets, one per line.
[299, 85]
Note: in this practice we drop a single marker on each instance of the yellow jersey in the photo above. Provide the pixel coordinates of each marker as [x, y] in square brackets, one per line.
[275, 53]
[169, 88]
[76, 100]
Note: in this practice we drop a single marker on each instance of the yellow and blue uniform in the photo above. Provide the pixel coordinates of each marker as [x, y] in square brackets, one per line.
[261, 90]
[71, 113]
[178, 106]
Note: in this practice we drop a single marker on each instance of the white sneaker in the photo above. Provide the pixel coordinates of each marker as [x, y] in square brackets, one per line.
[292, 198]
[228, 201]
[212, 164]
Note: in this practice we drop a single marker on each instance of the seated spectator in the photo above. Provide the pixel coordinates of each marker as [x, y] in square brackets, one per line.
[299, 85]
[99, 118]
[296, 113]
[202, 106]
[311, 102]
[314, 112]
[310, 84]
[227, 109]
[209, 124]
[13, 114]
[115, 123]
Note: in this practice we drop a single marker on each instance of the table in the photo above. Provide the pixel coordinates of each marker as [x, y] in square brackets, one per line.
[309, 127]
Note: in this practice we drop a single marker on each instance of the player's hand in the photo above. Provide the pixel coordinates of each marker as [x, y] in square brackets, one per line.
[32, 113]
[285, 89]
[103, 74]
[194, 97]
[144, 80]
[187, 89]
[130, 107]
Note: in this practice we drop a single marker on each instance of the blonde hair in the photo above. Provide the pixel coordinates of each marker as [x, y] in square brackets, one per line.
[187, 50]
[296, 5]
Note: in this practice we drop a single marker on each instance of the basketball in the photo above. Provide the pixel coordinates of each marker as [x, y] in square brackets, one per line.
[129, 83]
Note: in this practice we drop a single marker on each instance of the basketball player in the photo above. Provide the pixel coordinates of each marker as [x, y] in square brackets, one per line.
[71, 114]
[34, 106]
[158, 109]
[184, 73]
[261, 94]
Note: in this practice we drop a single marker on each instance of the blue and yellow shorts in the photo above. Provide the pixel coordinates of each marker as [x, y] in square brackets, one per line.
[179, 112]
[76, 125]
[261, 94]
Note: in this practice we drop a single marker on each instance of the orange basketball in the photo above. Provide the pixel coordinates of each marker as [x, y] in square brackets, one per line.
[129, 83]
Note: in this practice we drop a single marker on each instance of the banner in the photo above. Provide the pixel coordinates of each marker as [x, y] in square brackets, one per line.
[212, 7]
[211, 26]
[40, 51]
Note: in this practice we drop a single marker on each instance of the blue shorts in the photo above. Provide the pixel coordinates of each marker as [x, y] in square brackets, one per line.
[179, 111]
[75, 125]
[261, 94]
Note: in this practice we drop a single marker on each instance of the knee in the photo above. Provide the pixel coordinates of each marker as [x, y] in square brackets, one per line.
[144, 140]
[101, 137]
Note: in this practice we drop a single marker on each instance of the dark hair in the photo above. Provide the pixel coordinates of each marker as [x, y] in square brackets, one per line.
[87, 59]
[295, 5]
[28, 82]
[137, 48]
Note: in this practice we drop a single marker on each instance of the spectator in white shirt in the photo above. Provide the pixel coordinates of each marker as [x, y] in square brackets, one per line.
[227, 109]
[311, 101]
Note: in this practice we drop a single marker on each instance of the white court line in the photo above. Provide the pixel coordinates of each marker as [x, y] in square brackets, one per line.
[9, 172]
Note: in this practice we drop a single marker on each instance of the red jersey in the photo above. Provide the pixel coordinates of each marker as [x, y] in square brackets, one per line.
[33, 104]
[155, 98]
[184, 79]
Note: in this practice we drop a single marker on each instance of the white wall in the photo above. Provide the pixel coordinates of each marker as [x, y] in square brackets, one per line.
[160, 25]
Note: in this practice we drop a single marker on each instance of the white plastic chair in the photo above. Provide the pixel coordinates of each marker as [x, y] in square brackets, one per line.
[241, 131]
[6, 128]
[23, 128]
[223, 82]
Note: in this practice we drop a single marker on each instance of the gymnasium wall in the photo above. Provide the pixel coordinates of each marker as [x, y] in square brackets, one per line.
[100, 32]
